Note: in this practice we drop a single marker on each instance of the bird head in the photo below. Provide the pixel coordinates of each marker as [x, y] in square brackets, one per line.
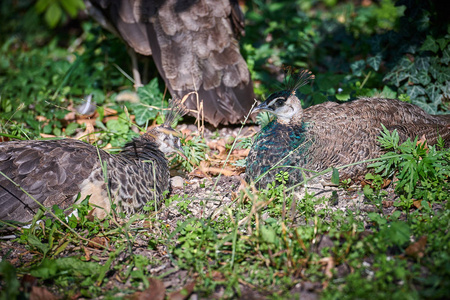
[167, 138]
[285, 103]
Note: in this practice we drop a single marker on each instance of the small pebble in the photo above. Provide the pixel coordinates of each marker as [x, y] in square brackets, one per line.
[177, 182]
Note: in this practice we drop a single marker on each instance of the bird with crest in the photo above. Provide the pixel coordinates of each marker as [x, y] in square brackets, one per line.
[303, 141]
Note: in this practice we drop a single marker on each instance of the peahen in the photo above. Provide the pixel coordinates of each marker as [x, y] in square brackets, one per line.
[194, 46]
[56, 171]
[332, 134]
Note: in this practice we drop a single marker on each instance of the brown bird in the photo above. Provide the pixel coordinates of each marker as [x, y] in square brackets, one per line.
[331, 134]
[194, 46]
[56, 171]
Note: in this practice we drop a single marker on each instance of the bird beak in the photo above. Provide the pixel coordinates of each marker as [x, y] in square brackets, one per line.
[262, 107]
[180, 151]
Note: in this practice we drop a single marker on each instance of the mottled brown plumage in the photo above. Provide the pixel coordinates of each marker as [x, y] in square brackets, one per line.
[332, 134]
[56, 171]
[194, 46]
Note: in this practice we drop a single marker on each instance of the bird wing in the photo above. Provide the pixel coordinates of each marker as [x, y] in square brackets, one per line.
[50, 171]
[194, 47]
[119, 18]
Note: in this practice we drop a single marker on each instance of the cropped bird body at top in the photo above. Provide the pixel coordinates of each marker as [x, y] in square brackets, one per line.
[56, 171]
[194, 46]
[332, 134]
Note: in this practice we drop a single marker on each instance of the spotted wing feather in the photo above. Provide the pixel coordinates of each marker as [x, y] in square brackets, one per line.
[47, 170]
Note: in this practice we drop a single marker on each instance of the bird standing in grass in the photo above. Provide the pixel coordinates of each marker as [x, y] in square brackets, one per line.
[194, 46]
[57, 171]
[332, 134]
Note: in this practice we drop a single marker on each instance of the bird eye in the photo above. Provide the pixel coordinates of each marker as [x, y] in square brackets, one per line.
[280, 101]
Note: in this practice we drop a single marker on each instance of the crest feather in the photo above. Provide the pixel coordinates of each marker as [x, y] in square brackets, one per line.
[296, 79]
[177, 109]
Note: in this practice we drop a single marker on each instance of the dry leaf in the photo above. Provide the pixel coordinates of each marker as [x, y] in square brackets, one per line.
[329, 261]
[183, 293]
[98, 240]
[387, 203]
[87, 254]
[417, 249]
[43, 135]
[41, 119]
[38, 293]
[156, 291]
[423, 140]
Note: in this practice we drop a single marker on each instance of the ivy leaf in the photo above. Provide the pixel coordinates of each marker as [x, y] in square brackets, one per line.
[423, 78]
[415, 91]
[374, 61]
[434, 93]
[430, 45]
[445, 56]
[422, 103]
[422, 63]
[358, 66]
[442, 43]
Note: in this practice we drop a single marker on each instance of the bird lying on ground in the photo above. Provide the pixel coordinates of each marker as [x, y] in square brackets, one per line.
[56, 171]
[331, 134]
[194, 46]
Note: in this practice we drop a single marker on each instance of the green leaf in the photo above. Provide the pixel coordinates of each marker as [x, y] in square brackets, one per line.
[423, 78]
[374, 61]
[72, 6]
[434, 93]
[335, 176]
[150, 93]
[117, 126]
[422, 63]
[388, 93]
[445, 56]
[10, 287]
[442, 43]
[53, 14]
[398, 233]
[144, 113]
[71, 128]
[415, 90]
[35, 242]
[267, 234]
[358, 66]
[430, 45]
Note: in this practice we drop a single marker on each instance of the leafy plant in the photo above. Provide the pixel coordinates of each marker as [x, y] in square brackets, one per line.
[195, 151]
[421, 168]
[151, 102]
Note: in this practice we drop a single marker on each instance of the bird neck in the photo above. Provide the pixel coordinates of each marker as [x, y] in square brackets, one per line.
[294, 119]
